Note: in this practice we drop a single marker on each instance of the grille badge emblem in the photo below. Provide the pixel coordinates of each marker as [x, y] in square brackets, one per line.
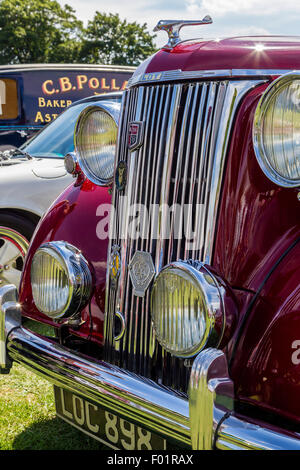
[141, 271]
[121, 175]
[115, 264]
[135, 135]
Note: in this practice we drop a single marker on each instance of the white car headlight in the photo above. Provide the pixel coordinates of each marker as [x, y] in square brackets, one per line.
[60, 279]
[95, 141]
[187, 309]
[276, 131]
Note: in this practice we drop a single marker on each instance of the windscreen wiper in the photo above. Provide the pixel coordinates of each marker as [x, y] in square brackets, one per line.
[21, 152]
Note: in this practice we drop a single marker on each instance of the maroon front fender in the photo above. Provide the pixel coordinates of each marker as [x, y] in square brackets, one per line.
[74, 218]
[266, 365]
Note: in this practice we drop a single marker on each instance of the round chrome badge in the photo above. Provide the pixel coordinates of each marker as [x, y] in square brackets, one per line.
[115, 264]
[121, 175]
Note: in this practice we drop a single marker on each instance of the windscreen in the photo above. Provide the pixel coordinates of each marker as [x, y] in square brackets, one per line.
[57, 139]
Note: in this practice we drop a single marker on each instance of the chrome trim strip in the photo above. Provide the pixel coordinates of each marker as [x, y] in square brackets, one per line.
[66, 67]
[135, 399]
[258, 72]
[183, 75]
[237, 434]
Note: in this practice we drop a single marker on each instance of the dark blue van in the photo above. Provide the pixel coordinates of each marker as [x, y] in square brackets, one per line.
[33, 95]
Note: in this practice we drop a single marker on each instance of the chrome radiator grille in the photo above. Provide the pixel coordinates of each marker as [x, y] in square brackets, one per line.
[180, 161]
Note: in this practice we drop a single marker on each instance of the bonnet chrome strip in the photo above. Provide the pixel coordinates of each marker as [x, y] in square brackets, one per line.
[182, 75]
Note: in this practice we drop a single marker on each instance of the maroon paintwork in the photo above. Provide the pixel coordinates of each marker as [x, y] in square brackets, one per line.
[230, 53]
[266, 370]
[73, 218]
[258, 221]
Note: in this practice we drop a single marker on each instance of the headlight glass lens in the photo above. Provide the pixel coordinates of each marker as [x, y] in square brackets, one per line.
[61, 280]
[181, 314]
[50, 282]
[277, 131]
[95, 143]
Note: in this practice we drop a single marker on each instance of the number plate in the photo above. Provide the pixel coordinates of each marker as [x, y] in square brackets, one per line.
[104, 426]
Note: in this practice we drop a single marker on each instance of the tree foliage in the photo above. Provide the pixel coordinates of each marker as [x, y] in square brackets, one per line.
[33, 31]
[110, 40]
[42, 31]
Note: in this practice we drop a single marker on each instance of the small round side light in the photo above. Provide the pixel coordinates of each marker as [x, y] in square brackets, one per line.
[71, 164]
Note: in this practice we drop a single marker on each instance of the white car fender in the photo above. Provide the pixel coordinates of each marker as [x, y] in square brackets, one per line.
[32, 185]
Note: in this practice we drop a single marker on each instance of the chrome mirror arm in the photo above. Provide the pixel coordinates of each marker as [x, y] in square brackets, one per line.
[173, 27]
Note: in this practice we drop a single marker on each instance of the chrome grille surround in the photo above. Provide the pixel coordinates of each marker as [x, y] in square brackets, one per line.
[186, 132]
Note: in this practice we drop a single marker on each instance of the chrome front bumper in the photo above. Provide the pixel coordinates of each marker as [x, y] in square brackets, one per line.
[204, 421]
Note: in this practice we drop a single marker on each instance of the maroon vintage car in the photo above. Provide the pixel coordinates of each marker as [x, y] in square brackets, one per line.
[177, 323]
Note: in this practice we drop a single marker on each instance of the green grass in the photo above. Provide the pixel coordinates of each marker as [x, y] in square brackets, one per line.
[28, 420]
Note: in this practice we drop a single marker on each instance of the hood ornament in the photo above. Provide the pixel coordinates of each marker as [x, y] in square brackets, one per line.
[173, 27]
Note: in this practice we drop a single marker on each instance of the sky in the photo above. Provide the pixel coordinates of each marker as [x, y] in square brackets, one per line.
[230, 17]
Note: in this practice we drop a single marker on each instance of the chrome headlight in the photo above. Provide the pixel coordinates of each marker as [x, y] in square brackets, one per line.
[187, 309]
[276, 131]
[95, 141]
[60, 279]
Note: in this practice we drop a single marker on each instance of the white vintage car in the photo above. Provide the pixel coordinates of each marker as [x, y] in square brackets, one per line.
[30, 180]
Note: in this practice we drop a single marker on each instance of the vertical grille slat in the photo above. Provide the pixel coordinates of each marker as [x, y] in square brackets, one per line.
[196, 124]
[166, 165]
[176, 164]
[182, 253]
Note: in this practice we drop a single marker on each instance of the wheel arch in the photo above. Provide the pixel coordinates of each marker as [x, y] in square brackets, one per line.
[34, 218]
